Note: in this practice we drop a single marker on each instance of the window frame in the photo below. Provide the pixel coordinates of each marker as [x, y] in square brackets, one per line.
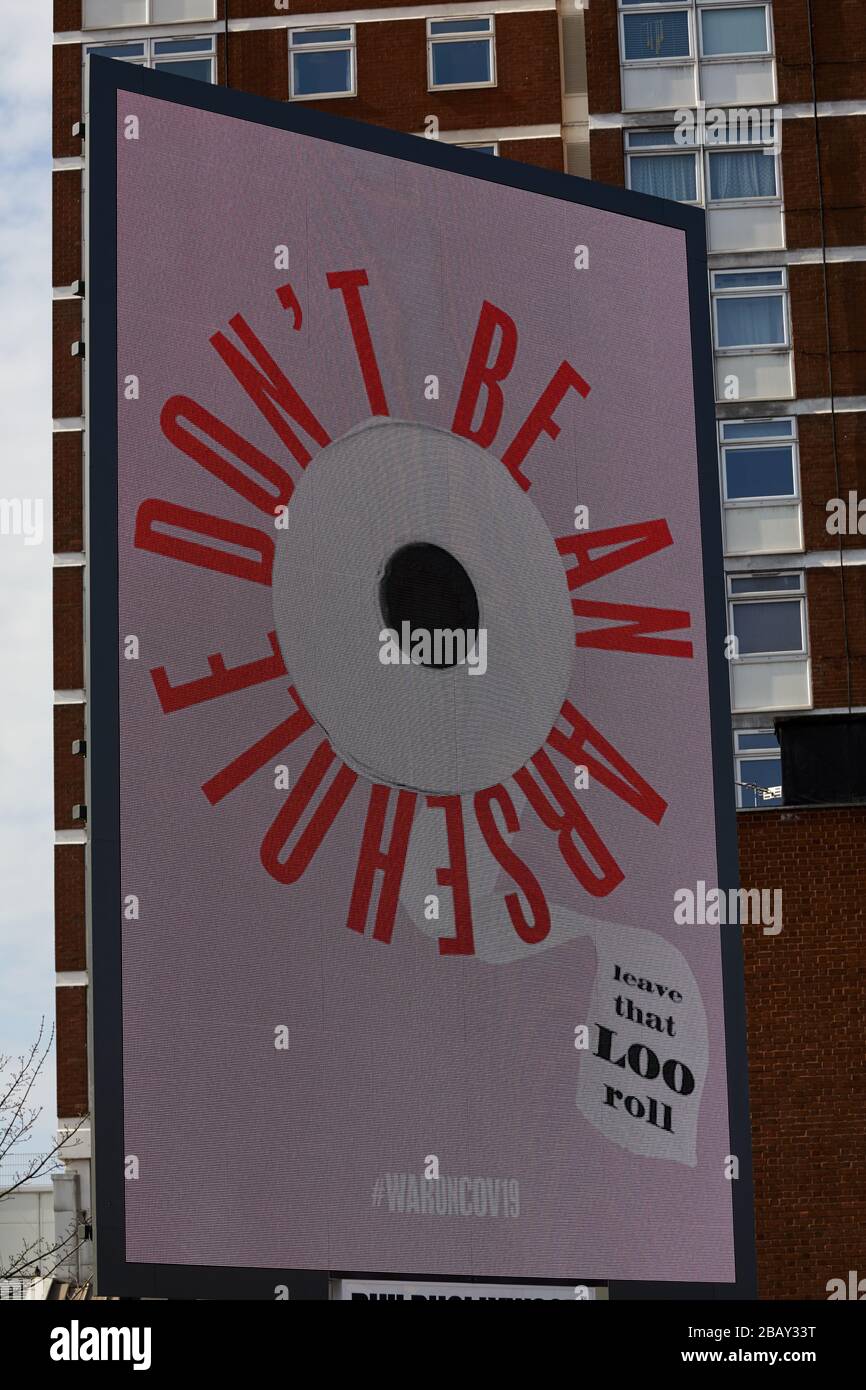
[797, 595]
[767, 200]
[709, 5]
[650, 8]
[764, 441]
[338, 46]
[763, 755]
[148, 19]
[743, 292]
[491, 145]
[645, 151]
[150, 58]
[489, 36]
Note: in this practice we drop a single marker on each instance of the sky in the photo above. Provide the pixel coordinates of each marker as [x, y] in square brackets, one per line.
[26, 795]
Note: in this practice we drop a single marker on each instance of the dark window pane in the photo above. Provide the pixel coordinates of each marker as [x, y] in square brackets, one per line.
[762, 772]
[758, 741]
[768, 627]
[199, 68]
[183, 46]
[327, 71]
[766, 584]
[663, 35]
[757, 429]
[760, 472]
[460, 26]
[320, 36]
[455, 63]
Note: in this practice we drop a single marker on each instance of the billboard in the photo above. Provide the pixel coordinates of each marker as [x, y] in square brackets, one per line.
[407, 714]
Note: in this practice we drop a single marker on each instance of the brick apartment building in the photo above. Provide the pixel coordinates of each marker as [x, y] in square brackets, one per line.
[628, 92]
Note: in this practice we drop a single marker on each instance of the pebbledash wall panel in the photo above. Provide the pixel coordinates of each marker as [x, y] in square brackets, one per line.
[393, 901]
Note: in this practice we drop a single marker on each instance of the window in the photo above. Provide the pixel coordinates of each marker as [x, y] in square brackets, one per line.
[187, 57]
[734, 32]
[758, 765]
[655, 35]
[749, 309]
[759, 461]
[738, 174]
[767, 614]
[658, 164]
[460, 53]
[114, 14]
[321, 63]
[482, 149]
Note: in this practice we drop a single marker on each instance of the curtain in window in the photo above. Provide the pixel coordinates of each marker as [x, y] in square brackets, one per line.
[657, 36]
[742, 174]
[750, 320]
[666, 176]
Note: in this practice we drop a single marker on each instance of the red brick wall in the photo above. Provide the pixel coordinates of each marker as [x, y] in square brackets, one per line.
[67, 399]
[606, 158]
[843, 166]
[827, 627]
[66, 220]
[68, 628]
[69, 912]
[807, 1063]
[67, 488]
[68, 768]
[602, 57]
[818, 474]
[71, 1006]
[847, 286]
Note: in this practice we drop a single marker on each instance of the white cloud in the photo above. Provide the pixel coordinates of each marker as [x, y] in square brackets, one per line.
[26, 810]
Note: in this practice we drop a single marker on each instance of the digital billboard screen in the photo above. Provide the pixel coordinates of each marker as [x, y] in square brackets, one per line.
[408, 714]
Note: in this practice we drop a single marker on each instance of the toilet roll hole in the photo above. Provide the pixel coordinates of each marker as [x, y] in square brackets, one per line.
[427, 588]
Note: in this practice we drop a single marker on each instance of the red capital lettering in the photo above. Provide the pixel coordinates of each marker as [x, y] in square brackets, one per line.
[540, 419]
[223, 680]
[636, 622]
[568, 821]
[636, 541]
[180, 409]
[390, 861]
[530, 931]
[293, 808]
[269, 389]
[260, 753]
[209, 557]
[349, 283]
[625, 783]
[455, 876]
[482, 373]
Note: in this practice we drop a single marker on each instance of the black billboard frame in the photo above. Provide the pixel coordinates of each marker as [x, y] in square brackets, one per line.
[107, 77]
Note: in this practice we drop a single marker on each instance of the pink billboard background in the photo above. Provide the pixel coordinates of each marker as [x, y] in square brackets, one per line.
[255, 1155]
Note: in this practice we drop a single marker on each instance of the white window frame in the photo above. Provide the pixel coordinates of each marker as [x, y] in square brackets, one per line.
[759, 595]
[148, 19]
[643, 151]
[492, 145]
[743, 292]
[150, 58]
[759, 57]
[651, 8]
[768, 200]
[764, 441]
[755, 755]
[337, 45]
[489, 35]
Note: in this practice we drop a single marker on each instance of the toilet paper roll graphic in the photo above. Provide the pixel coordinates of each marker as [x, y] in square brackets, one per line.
[377, 505]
